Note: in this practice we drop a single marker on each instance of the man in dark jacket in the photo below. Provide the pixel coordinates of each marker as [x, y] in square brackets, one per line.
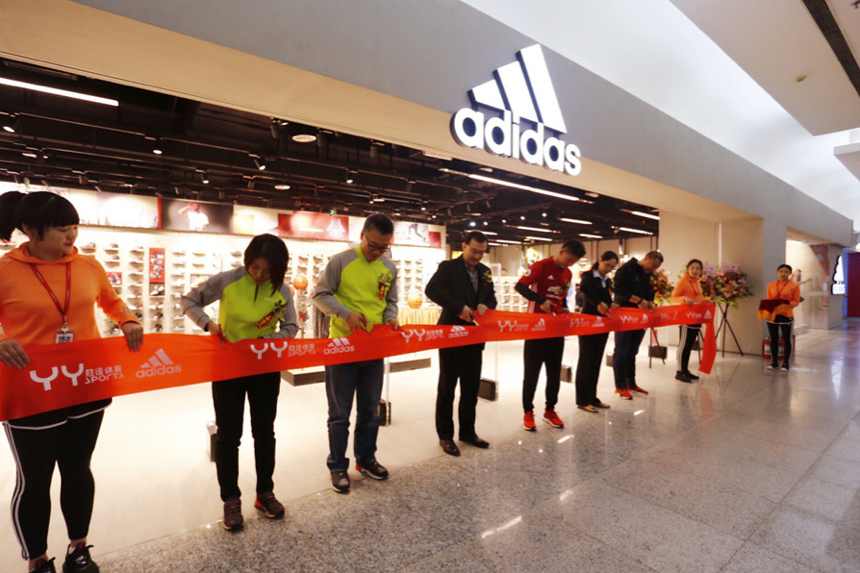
[632, 290]
[463, 288]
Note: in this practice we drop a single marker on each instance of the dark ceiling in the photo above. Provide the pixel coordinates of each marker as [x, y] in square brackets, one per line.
[64, 142]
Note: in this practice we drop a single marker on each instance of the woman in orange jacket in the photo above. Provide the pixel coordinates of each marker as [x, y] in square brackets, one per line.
[48, 294]
[783, 317]
[689, 291]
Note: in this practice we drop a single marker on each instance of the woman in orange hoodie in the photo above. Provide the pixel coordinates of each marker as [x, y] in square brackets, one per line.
[783, 320]
[689, 291]
[48, 294]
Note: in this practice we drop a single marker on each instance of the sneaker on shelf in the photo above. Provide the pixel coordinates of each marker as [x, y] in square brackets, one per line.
[635, 388]
[551, 418]
[112, 259]
[271, 507]
[179, 328]
[157, 316]
[179, 274]
[177, 306]
[373, 470]
[44, 566]
[233, 514]
[340, 481]
[157, 328]
[236, 253]
[180, 252]
[178, 284]
[236, 264]
[179, 264]
[624, 394]
[529, 422]
[137, 249]
[136, 262]
[156, 306]
[157, 291]
[79, 560]
[176, 295]
[135, 274]
[89, 247]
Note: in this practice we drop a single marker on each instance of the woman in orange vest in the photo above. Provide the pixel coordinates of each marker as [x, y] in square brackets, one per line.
[783, 317]
[688, 290]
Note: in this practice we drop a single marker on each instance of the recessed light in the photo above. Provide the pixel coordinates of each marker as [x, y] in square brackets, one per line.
[304, 138]
[282, 187]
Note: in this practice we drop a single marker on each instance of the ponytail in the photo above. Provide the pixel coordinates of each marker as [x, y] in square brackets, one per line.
[40, 210]
[8, 207]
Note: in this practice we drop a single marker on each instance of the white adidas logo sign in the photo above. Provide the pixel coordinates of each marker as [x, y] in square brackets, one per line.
[339, 346]
[158, 365]
[522, 90]
[458, 332]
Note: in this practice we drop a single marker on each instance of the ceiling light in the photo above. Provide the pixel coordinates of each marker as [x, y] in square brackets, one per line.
[261, 164]
[489, 232]
[591, 194]
[539, 230]
[648, 215]
[30, 154]
[492, 244]
[514, 185]
[471, 223]
[508, 242]
[304, 138]
[156, 144]
[522, 217]
[282, 187]
[59, 92]
[486, 169]
[543, 214]
[423, 208]
[157, 150]
[10, 123]
[540, 239]
[485, 223]
[629, 230]
[587, 236]
[348, 177]
[504, 221]
[578, 221]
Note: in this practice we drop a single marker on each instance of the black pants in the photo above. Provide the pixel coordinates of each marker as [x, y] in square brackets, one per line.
[689, 335]
[70, 447]
[624, 357]
[781, 324]
[463, 363]
[229, 399]
[591, 348]
[537, 353]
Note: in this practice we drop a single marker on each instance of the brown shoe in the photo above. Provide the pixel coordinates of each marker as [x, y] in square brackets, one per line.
[267, 503]
[588, 408]
[233, 514]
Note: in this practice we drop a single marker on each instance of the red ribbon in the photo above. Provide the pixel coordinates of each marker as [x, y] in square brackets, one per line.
[63, 375]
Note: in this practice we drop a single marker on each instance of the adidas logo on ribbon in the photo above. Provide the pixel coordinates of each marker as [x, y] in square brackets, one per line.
[339, 346]
[158, 365]
[523, 94]
[458, 331]
[540, 326]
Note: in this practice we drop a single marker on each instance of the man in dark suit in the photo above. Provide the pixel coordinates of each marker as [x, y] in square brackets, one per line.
[463, 288]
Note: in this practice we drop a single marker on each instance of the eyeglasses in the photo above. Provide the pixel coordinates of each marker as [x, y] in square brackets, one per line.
[377, 248]
[476, 251]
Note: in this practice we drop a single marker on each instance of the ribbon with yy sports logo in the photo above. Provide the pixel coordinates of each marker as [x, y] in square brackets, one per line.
[62, 375]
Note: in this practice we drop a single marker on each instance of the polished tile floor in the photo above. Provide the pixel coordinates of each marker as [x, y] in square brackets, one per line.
[747, 470]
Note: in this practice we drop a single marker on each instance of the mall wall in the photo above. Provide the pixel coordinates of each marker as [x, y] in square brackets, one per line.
[397, 71]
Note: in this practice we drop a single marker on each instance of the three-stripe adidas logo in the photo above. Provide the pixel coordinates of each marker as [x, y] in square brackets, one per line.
[339, 346]
[157, 365]
[520, 91]
[458, 331]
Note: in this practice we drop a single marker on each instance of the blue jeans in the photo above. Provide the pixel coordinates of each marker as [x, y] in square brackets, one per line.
[342, 382]
[624, 358]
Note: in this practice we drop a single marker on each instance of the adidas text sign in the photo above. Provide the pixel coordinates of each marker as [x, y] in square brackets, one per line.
[530, 116]
[158, 364]
[339, 346]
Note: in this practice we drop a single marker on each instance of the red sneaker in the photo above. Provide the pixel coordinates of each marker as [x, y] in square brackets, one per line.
[529, 422]
[551, 418]
[637, 389]
[625, 394]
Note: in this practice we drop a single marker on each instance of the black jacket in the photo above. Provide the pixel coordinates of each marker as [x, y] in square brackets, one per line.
[592, 289]
[632, 280]
[451, 289]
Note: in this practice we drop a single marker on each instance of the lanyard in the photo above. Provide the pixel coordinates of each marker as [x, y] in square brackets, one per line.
[64, 310]
[779, 290]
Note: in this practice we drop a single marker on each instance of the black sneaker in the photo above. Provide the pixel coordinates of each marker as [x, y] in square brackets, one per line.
[233, 520]
[373, 470]
[43, 566]
[690, 375]
[784, 367]
[269, 505]
[340, 481]
[682, 377]
[79, 561]
[772, 366]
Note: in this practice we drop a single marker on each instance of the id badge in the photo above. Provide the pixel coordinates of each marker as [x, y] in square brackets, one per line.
[64, 335]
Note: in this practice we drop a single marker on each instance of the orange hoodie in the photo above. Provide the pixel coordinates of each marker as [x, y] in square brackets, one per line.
[29, 315]
[687, 287]
[789, 291]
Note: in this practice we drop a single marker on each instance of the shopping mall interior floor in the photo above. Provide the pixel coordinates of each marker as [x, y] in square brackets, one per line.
[747, 470]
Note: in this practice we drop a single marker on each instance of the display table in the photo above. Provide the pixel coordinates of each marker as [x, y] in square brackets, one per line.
[423, 315]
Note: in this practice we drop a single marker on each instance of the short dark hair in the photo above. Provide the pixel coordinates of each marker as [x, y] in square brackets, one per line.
[574, 247]
[273, 250]
[40, 210]
[694, 261]
[380, 223]
[784, 266]
[656, 255]
[475, 236]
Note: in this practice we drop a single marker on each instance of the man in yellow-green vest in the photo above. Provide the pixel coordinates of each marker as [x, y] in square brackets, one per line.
[358, 289]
